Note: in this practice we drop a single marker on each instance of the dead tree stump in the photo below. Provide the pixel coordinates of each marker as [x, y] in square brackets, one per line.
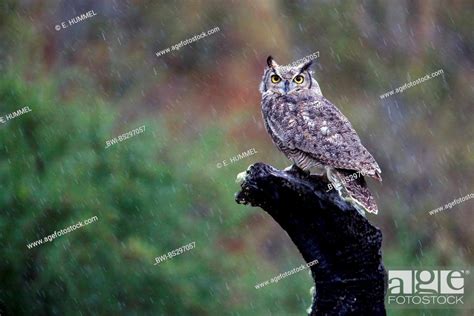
[350, 278]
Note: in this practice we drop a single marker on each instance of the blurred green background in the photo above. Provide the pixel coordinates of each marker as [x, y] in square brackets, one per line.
[162, 189]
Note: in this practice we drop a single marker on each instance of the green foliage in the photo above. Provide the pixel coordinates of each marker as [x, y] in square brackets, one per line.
[55, 171]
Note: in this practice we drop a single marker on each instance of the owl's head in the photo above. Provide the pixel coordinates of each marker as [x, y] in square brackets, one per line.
[283, 80]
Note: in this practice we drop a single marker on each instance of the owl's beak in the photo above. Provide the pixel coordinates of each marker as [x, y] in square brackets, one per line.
[287, 86]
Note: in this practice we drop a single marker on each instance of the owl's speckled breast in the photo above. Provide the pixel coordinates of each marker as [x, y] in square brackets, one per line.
[281, 107]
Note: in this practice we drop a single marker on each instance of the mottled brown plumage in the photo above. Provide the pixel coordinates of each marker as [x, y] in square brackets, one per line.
[312, 132]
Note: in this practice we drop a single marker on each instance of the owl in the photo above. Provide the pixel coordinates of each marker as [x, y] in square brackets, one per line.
[313, 133]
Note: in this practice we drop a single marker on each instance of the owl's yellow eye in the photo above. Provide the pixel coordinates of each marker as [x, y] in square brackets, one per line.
[275, 79]
[299, 79]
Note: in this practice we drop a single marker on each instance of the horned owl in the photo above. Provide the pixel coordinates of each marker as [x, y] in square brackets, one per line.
[312, 132]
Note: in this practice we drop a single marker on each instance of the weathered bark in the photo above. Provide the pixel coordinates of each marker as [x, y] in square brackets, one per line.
[350, 277]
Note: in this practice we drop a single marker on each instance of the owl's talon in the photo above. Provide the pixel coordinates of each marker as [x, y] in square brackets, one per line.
[292, 169]
[288, 169]
[241, 177]
[297, 170]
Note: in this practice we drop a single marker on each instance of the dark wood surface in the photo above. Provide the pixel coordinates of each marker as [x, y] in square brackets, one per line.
[350, 277]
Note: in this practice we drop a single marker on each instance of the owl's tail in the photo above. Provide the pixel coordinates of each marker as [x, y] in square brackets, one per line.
[352, 187]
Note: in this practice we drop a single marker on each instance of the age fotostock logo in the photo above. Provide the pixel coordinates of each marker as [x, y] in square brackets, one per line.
[437, 288]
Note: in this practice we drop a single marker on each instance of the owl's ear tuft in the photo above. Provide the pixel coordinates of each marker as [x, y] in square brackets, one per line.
[271, 63]
[306, 66]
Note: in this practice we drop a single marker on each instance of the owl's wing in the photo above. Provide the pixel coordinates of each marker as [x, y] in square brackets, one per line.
[316, 127]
